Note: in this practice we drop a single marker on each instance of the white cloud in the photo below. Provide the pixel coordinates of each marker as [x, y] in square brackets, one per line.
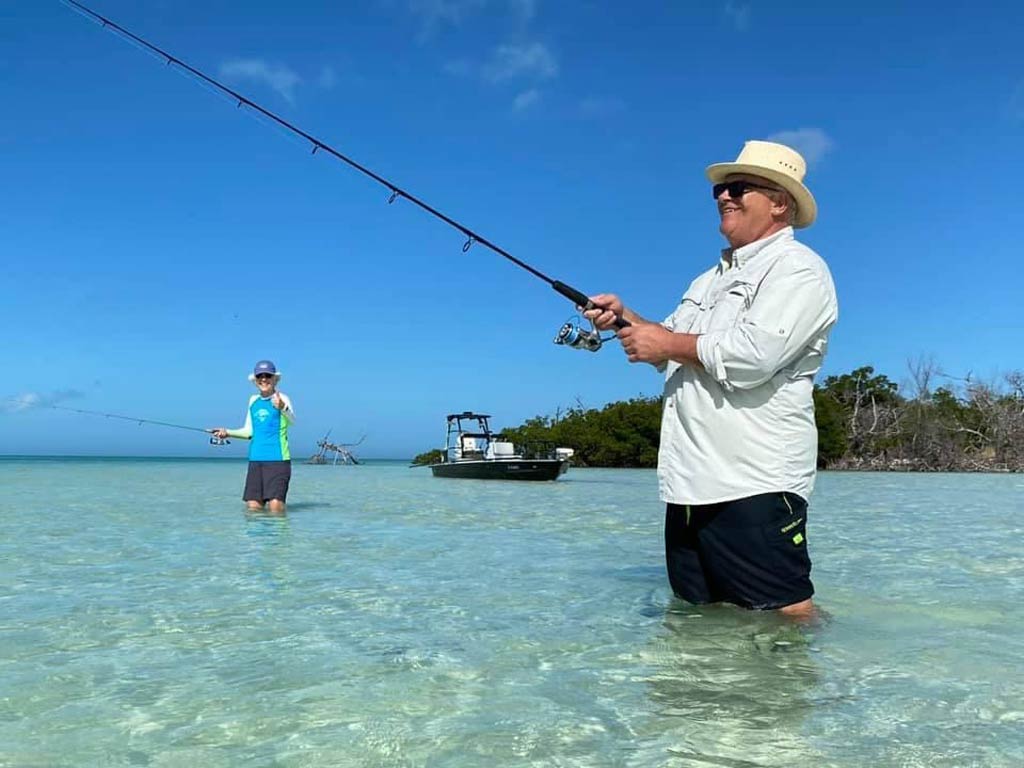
[279, 78]
[30, 400]
[526, 99]
[812, 143]
[532, 60]
[739, 14]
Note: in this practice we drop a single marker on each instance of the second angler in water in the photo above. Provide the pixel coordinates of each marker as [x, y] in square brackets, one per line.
[267, 420]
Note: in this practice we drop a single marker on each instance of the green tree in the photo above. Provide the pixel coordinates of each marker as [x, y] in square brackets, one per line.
[831, 419]
[429, 457]
[621, 434]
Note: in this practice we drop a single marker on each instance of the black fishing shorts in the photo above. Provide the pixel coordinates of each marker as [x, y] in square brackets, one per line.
[751, 551]
[267, 480]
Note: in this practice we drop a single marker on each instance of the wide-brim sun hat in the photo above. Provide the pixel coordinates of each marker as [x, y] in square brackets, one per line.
[252, 377]
[778, 164]
[264, 366]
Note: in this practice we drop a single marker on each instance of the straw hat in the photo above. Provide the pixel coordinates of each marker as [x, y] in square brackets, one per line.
[776, 163]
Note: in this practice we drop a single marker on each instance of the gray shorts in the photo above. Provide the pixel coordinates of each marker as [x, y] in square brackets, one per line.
[267, 480]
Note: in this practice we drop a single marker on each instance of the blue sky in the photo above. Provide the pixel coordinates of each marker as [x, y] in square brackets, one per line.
[157, 241]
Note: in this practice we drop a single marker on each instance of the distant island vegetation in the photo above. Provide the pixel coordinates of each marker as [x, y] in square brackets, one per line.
[865, 422]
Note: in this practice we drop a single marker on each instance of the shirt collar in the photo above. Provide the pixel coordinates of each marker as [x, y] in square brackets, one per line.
[741, 256]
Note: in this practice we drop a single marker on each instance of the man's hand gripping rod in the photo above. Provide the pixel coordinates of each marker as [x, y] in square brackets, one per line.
[571, 334]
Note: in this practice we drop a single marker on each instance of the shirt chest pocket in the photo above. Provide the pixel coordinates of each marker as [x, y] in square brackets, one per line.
[683, 320]
[727, 308]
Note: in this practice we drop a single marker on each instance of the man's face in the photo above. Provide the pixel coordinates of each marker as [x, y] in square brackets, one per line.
[747, 217]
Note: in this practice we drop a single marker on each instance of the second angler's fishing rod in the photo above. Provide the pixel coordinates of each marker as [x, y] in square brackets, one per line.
[570, 334]
[213, 440]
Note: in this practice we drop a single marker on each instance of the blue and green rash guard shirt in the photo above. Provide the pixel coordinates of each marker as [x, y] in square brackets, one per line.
[267, 427]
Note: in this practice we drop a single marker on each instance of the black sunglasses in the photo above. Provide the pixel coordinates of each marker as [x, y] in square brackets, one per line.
[264, 376]
[737, 189]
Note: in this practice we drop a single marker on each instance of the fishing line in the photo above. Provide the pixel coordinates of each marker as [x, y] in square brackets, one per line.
[318, 146]
[213, 440]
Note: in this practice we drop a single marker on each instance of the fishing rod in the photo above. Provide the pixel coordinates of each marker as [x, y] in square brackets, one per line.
[213, 440]
[570, 334]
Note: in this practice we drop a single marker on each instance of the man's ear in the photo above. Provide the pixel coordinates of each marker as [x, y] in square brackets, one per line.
[780, 207]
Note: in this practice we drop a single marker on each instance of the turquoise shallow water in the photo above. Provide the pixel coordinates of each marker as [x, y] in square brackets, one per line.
[395, 619]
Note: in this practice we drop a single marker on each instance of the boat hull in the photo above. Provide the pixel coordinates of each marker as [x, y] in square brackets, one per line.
[519, 469]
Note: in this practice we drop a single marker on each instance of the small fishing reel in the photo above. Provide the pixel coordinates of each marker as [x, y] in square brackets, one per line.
[572, 334]
[219, 441]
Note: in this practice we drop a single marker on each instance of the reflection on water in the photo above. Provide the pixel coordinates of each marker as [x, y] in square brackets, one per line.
[297, 506]
[269, 558]
[730, 687]
[266, 522]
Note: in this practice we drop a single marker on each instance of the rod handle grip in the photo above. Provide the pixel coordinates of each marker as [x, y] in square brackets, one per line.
[582, 300]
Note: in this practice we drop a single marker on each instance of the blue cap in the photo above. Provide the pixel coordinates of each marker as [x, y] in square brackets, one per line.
[264, 366]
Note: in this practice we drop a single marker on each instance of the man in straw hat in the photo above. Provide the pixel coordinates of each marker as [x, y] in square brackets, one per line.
[738, 449]
[266, 425]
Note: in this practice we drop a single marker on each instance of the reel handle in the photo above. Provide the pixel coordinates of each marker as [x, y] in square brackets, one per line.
[214, 440]
[581, 300]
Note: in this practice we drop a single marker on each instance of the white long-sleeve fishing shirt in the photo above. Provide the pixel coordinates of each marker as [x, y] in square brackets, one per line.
[742, 423]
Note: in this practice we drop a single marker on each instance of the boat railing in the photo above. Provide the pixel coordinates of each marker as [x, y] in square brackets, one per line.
[470, 446]
[537, 449]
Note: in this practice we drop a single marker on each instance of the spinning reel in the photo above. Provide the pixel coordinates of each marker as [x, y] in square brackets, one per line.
[574, 335]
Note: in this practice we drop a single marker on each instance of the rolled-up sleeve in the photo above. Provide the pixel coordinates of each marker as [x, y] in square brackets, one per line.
[794, 306]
